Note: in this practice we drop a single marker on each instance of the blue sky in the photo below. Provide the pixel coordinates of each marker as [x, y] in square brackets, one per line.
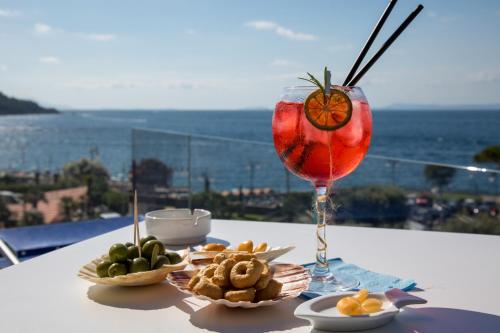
[240, 53]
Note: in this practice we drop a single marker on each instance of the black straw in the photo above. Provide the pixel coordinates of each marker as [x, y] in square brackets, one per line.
[386, 45]
[370, 40]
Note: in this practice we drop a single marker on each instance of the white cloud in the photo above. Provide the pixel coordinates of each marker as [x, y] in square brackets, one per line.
[134, 82]
[190, 32]
[42, 28]
[50, 60]
[485, 76]
[283, 63]
[3, 68]
[280, 30]
[8, 12]
[99, 37]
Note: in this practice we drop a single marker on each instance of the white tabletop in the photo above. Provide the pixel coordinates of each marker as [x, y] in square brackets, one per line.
[459, 275]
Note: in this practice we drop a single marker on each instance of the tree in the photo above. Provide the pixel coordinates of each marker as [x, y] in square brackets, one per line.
[152, 172]
[33, 195]
[32, 217]
[439, 176]
[214, 202]
[489, 154]
[68, 206]
[4, 212]
[295, 204]
[91, 174]
[116, 201]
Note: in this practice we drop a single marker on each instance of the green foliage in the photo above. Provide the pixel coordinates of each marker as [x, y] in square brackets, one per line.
[214, 202]
[489, 154]
[68, 207]
[31, 217]
[4, 212]
[296, 203]
[439, 176]
[89, 173]
[33, 195]
[116, 201]
[373, 204]
[479, 224]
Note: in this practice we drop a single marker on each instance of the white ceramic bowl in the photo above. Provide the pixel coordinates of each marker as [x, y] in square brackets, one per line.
[178, 226]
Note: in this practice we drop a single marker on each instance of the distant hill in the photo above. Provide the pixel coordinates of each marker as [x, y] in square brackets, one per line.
[12, 106]
[440, 107]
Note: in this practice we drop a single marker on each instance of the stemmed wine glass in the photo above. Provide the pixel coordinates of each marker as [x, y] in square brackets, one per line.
[321, 134]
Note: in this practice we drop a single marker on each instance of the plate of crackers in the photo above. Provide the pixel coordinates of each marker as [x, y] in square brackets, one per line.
[242, 280]
[206, 253]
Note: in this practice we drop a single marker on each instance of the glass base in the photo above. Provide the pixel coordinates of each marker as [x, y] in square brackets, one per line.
[324, 284]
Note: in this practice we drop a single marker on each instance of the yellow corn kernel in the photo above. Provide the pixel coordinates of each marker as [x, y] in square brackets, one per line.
[245, 246]
[361, 295]
[371, 305]
[262, 247]
[349, 306]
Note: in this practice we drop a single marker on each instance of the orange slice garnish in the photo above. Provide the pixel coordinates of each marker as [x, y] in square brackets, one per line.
[328, 112]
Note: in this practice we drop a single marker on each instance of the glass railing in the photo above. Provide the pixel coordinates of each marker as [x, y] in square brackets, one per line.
[242, 179]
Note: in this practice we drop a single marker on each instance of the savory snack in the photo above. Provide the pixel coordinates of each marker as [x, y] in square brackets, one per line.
[207, 288]
[358, 304]
[246, 273]
[236, 277]
[245, 295]
[123, 259]
[246, 246]
[222, 273]
[217, 247]
[272, 290]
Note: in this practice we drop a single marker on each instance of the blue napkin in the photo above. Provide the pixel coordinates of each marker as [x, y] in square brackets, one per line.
[374, 282]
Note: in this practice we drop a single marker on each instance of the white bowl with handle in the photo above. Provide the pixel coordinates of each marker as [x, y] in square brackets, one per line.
[178, 226]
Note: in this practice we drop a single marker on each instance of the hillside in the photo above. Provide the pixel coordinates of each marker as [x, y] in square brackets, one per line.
[13, 106]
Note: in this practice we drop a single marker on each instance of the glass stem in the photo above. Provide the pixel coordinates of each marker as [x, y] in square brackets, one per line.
[321, 268]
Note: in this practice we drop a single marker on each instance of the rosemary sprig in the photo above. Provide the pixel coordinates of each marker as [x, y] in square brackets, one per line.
[325, 89]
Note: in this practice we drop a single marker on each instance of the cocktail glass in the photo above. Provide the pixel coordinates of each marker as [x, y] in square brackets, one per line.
[321, 157]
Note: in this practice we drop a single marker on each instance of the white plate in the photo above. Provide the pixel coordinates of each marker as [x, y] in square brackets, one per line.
[295, 280]
[323, 314]
[269, 255]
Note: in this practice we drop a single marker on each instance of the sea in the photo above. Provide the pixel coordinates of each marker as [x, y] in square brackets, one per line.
[48, 142]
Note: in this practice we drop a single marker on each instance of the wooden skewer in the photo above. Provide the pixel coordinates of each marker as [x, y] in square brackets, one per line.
[137, 239]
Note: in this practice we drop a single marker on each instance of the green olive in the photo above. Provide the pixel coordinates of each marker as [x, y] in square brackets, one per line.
[174, 257]
[117, 269]
[144, 240]
[118, 252]
[139, 265]
[132, 252]
[162, 260]
[102, 268]
[129, 244]
[147, 248]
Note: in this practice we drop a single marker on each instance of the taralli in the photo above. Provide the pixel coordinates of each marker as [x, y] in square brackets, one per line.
[264, 279]
[245, 295]
[193, 281]
[209, 271]
[207, 288]
[242, 257]
[222, 273]
[219, 257]
[272, 291]
[236, 277]
[246, 273]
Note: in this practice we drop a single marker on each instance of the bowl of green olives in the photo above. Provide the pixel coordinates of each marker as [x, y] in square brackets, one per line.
[123, 266]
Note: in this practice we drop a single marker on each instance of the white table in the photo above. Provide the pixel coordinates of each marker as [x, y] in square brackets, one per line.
[459, 275]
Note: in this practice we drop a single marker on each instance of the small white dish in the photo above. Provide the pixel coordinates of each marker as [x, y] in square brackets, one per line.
[178, 226]
[323, 314]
